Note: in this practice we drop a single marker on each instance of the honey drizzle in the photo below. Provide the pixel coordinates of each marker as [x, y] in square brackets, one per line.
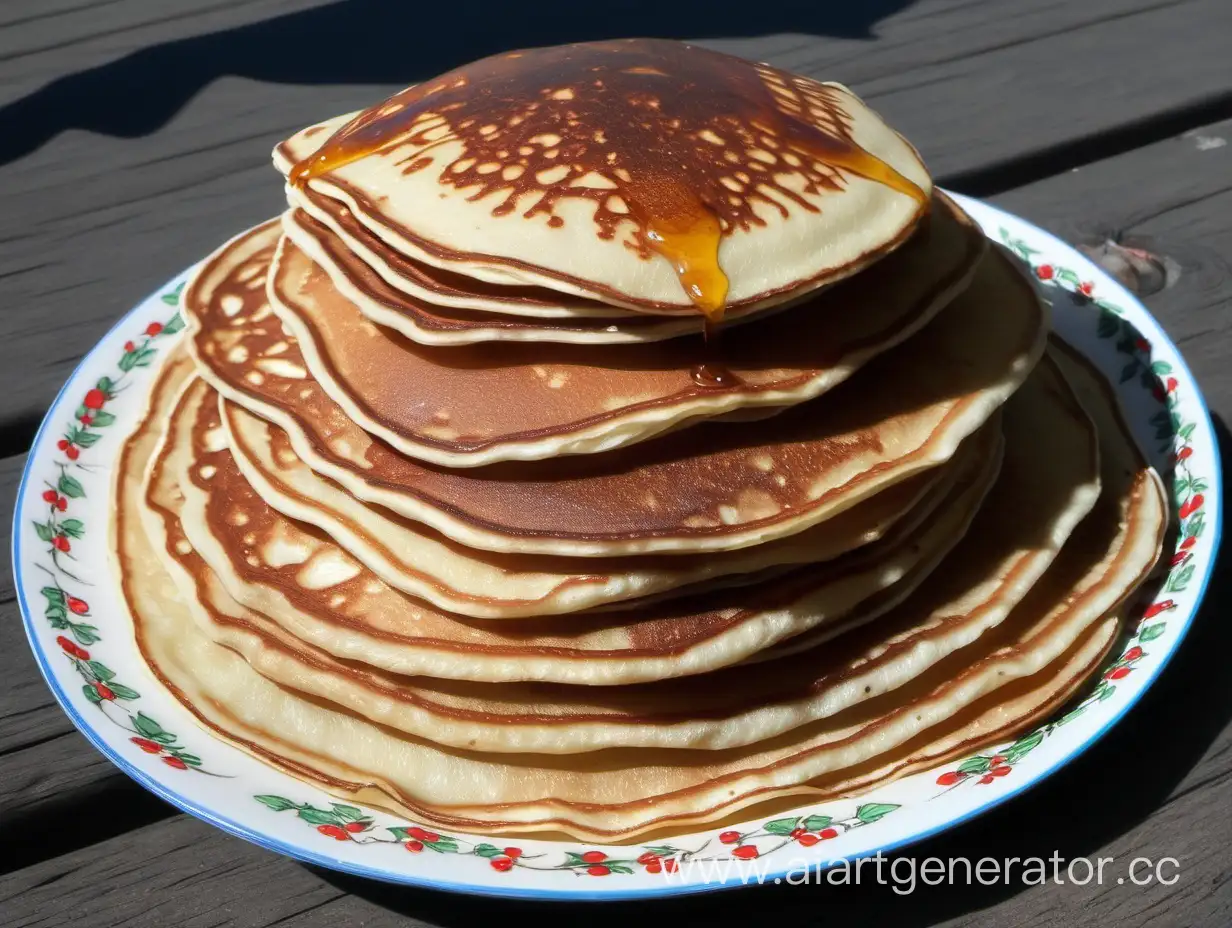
[713, 374]
[668, 170]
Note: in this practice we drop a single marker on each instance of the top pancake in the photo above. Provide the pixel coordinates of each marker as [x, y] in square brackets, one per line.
[599, 169]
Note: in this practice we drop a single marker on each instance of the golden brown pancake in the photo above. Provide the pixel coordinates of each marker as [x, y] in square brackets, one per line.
[425, 564]
[576, 399]
[647, 173]
[316, 592]
[598, 795]
[448, 291]
[708, 488]
[1016, 535]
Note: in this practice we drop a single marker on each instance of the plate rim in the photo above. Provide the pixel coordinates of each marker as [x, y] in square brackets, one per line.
[551, 894]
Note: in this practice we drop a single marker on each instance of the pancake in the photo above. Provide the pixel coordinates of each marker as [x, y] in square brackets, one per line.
[1107, 559]
[712, 487]
[586, 399]
[315, 592]
[364, 279]
[915, 280]
[996, 718]
[911, 284]
[1040, 502]
[436, 286]
[604, 795]
[418, 561]
[734, 184]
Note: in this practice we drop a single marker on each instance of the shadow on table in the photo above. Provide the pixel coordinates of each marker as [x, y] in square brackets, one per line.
[376, 42]
[1120, 780]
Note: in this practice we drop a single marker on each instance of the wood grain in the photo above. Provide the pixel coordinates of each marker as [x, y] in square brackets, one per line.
[40, 39]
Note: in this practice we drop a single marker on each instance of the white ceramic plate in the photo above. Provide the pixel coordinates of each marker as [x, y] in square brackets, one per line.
[80, 634]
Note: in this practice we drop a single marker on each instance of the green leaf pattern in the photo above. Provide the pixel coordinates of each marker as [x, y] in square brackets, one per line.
[773, 836]
[1175, 435]
[65, 611]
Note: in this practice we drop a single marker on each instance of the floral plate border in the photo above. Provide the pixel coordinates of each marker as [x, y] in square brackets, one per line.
[74, 621]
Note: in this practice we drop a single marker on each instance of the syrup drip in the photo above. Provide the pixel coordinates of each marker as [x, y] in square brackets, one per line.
[713, 374]
[691, 244]
[668, 102]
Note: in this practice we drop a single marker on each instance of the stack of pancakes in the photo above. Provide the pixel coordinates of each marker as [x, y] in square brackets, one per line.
[611, 437]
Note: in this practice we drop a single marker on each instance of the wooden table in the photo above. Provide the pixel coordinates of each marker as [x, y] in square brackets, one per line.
[134, 137]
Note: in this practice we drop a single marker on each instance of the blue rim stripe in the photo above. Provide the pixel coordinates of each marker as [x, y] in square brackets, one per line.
[553, 895]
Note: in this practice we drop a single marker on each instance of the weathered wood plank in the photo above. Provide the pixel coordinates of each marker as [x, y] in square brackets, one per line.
[60, 795]
[175, 873]
[41, 40]
[93, 220]
[1157, 784]
[1174, 199]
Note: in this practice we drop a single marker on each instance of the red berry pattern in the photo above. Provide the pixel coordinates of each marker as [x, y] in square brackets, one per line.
[70, 613]
[73, 648]
[1191, 505]
[1156, 608]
